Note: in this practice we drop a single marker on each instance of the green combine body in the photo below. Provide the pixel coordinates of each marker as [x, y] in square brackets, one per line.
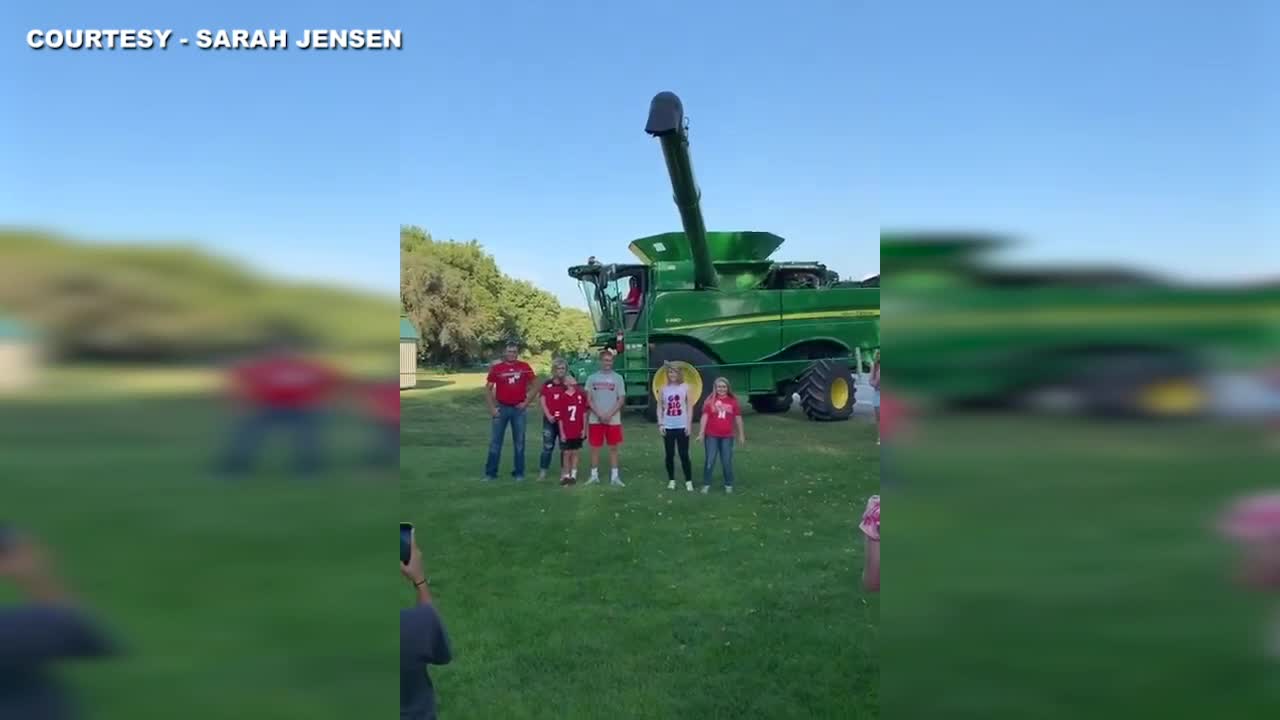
[1109, 341]
[714, 304]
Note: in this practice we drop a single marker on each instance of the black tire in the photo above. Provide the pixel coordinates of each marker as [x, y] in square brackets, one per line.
[771, 404]
[816, 390]
[679, 352]
[1112, 386]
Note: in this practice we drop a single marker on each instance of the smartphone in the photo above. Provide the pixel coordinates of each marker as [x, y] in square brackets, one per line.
[406, 542]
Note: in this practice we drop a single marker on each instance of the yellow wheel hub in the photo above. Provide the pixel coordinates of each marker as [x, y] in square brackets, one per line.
[692, 378]
[840, 393]
[1174, 397]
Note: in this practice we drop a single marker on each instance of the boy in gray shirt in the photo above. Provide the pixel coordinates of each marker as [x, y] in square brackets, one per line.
[606, 394]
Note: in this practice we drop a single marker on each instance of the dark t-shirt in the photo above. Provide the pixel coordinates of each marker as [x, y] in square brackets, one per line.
[422, 642]
[32, 638]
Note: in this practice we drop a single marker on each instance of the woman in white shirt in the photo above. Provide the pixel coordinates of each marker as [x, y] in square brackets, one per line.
[675, 419]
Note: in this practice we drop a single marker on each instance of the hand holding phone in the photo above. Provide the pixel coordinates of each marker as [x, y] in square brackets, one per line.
[411, 562]
[406, 542]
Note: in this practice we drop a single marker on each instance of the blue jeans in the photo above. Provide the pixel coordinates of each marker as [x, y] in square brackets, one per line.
[722, 447]
[515, 417]
[246, 439]
[385, 448]
[550, 435]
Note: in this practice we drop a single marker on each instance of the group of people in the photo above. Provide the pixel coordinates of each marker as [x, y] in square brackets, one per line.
[591, 412]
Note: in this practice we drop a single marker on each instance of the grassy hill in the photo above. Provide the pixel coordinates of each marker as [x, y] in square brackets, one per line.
[146, 302]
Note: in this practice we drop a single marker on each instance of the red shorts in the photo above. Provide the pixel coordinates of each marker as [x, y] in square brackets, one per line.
[599, 433]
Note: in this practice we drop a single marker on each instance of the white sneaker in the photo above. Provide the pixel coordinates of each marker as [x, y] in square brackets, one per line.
[728, 489]
[688, 486]
[671, 485]
[706, 489]
[593, 479]
[542, 475]
[617, 482]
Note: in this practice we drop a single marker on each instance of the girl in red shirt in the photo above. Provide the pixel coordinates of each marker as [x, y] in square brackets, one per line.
[721, 415]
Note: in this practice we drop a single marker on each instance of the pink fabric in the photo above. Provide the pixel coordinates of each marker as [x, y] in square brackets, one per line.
[870, 524]
[1253, 519]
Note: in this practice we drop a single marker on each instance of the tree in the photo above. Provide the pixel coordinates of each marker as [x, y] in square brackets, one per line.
[466, 308]
[93, 301]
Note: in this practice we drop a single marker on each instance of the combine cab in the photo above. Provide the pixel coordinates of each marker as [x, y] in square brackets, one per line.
[716, 305]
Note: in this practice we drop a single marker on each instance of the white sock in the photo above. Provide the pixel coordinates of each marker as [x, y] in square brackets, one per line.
[595, 472]
[613, 473]
[574, 473]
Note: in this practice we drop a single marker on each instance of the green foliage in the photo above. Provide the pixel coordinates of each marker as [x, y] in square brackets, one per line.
[125, 302]
[466, 308]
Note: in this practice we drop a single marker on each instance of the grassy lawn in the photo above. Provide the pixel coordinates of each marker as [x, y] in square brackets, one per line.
[596, 602]
[1057, 569]
[259, 599]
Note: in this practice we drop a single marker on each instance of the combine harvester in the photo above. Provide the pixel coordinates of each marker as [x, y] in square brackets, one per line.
[714, 304]
[1097, 341]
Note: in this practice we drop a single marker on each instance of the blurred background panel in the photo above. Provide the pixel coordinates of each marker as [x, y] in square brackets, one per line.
[181, 232]
[1081, 301]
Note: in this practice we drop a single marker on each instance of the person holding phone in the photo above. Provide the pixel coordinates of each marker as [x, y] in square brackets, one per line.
[43, 629]
[423, 640]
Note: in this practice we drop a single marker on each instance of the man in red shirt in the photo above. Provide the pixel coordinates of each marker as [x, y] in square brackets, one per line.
[510, 388]
[281, 388]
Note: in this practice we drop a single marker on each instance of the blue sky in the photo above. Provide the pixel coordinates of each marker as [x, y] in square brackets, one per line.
[1144, 134]
[288, 160]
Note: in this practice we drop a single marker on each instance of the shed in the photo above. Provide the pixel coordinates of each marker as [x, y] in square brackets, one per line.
[409, 339]
[19, 355]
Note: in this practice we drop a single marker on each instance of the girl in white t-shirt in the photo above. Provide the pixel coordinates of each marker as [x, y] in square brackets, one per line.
[675, 418]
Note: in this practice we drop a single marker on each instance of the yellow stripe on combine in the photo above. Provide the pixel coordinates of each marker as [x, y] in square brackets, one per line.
[821, 315]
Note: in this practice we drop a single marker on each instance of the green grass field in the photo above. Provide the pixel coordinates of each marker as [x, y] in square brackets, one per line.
[1063, 569]
[597, 602]
[262, 599]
